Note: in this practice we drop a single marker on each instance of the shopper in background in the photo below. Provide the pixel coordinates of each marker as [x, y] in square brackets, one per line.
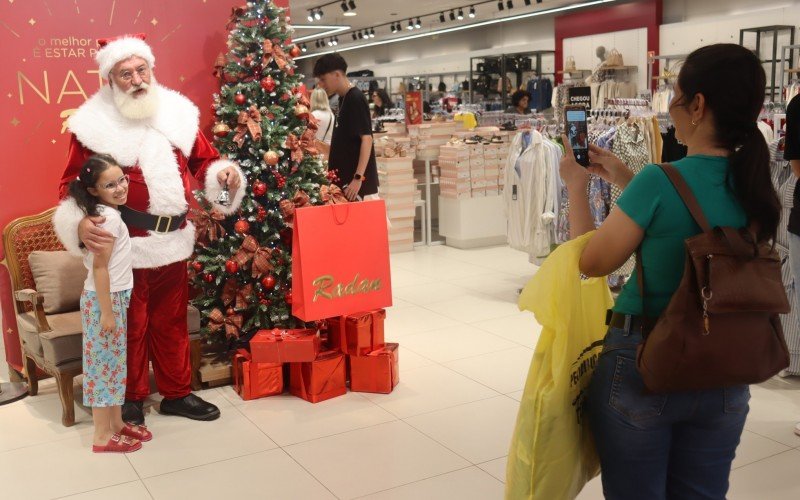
[519, 103]
[382, 102]
[792, 155]
[351, 153]
[321, 109]
[677, 445]
[100, 188]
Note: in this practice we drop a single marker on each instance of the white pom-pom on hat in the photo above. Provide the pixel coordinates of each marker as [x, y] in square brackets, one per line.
[114, 50]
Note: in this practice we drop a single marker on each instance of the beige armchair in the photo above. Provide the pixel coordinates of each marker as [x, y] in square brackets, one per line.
[48, 316]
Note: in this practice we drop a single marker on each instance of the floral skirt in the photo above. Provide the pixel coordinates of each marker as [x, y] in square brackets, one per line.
[105, 369]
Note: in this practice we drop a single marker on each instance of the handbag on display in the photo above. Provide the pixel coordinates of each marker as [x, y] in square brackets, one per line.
[614, 59]
[721, 327]
[569, 65]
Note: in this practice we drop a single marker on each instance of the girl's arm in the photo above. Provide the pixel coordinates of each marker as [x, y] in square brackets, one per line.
[102, 283]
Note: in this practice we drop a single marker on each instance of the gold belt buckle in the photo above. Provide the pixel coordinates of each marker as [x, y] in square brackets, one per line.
[168, 218]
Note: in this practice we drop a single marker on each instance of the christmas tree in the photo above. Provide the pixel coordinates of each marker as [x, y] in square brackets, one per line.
[242, 264]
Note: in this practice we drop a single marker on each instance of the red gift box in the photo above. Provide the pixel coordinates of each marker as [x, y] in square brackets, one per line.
[363, 332]
[379, 371]
[285, 346]
[321, 379]
[254, 380]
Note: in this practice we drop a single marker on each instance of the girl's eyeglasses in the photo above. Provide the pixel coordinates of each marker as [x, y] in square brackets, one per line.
[112, 186]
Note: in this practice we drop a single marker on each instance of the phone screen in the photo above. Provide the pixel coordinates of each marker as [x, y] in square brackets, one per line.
[578, 135]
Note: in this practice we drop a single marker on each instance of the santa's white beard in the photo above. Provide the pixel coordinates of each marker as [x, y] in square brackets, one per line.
[137, 108]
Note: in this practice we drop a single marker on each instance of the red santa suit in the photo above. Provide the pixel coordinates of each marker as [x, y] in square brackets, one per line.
[160, 154]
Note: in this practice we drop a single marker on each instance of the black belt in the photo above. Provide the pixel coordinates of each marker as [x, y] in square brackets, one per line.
[159, 223]
[627, 322]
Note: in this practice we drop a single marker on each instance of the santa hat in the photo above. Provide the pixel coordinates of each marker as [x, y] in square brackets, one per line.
[114, 50]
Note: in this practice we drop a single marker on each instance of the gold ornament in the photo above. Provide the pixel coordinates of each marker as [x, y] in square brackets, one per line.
[221, 129]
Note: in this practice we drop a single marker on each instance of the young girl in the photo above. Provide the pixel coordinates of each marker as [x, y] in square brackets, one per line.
[100, 188]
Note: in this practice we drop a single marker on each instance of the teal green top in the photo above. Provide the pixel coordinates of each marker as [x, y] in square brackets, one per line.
[652, 202]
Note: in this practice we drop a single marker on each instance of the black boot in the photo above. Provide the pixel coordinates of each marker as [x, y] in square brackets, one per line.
[133, 412]
[190, 406]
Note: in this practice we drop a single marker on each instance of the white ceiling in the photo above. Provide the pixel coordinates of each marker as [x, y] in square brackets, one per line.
[372, 13]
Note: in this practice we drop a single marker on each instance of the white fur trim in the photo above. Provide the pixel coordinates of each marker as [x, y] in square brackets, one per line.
[99, 126]
[158, 250]
[122, 49]
[65, 223]
[213, 189]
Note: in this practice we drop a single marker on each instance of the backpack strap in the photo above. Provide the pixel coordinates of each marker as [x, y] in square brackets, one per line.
[686, 195]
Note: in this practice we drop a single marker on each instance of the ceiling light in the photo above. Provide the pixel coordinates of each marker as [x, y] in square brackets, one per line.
[510, 4]
[418, 24]
[351, 8]
[344, 6]
[352, 4]
[452, 16]
[410, 25]
[441, 17]
[528, 2]
[460, 14]
[472, 11]
[500, 5]
[372, 32]
[303, 48]
[360, 35]
[478, 24]
[319, 14]
[310, 16]
[354, 35]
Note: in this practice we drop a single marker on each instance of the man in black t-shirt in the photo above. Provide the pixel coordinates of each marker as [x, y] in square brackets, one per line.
[351, 153]
[791, 153]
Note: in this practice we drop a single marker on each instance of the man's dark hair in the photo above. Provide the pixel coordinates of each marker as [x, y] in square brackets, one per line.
[328, 64]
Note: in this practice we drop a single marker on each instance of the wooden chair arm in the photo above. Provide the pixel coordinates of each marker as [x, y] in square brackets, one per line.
[37, 301]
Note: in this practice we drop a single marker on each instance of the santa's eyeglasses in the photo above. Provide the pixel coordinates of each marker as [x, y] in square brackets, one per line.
[127, 75]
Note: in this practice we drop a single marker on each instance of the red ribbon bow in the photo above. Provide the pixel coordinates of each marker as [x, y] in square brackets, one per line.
[288, 207]
[208, 226]
[232, 324]
[248, 121]
[332, 195]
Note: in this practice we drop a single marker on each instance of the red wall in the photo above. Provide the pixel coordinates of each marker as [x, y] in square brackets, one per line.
[626, 16]
[47, 70]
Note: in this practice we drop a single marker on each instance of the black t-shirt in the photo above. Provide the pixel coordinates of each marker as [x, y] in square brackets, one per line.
[352, 123]
[792, 152]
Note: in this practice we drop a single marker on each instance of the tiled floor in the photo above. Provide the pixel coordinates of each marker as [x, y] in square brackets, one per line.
[443, 433]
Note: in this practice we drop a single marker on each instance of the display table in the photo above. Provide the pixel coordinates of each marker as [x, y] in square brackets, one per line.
[472, 222]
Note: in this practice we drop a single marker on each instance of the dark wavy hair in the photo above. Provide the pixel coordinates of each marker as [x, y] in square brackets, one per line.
[385, 99]
[733, 83]
[87, 178]
[517, 96]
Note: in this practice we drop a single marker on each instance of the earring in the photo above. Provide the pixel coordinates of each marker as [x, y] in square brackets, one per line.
[694, 123]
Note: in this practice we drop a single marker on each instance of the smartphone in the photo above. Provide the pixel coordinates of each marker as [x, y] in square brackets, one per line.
[577, 133]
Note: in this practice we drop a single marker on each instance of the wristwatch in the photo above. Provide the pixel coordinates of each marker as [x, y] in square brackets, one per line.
[358, 177]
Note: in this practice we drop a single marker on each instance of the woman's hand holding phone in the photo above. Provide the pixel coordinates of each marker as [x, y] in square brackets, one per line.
[608, 166]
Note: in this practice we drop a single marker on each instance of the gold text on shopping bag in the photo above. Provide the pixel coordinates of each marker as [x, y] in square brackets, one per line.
[326, 288]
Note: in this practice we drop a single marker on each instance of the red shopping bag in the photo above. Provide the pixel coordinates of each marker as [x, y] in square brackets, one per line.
[340, 260]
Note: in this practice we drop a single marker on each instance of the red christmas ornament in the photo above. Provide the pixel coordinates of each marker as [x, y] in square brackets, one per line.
[197, 266]
[288, 297]
[241, 226]
[268, 84]
[290, 71]
[208, 277]
[259, 188]
[285, 97]
[240, 99]
[230, 311]
[232, 267]
[271, 158]
[268, 282]
[295, 52]
[270, 116]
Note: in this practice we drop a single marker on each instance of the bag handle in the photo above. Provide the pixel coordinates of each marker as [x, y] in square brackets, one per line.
[685, 192]
[346, 215]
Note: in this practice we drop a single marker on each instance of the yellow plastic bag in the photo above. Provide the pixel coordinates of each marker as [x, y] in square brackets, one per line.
[552, 453]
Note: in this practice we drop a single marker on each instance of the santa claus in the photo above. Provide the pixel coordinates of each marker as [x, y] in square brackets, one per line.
[152, 132]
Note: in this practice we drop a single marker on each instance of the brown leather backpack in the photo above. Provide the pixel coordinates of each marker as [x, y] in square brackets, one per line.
[721, 327]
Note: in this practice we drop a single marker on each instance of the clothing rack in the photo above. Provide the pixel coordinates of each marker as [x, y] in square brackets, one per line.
[627, 102]
[610, 112]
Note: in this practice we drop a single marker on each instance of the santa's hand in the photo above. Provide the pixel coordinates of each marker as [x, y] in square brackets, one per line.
[93, 237]
[230, 177]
